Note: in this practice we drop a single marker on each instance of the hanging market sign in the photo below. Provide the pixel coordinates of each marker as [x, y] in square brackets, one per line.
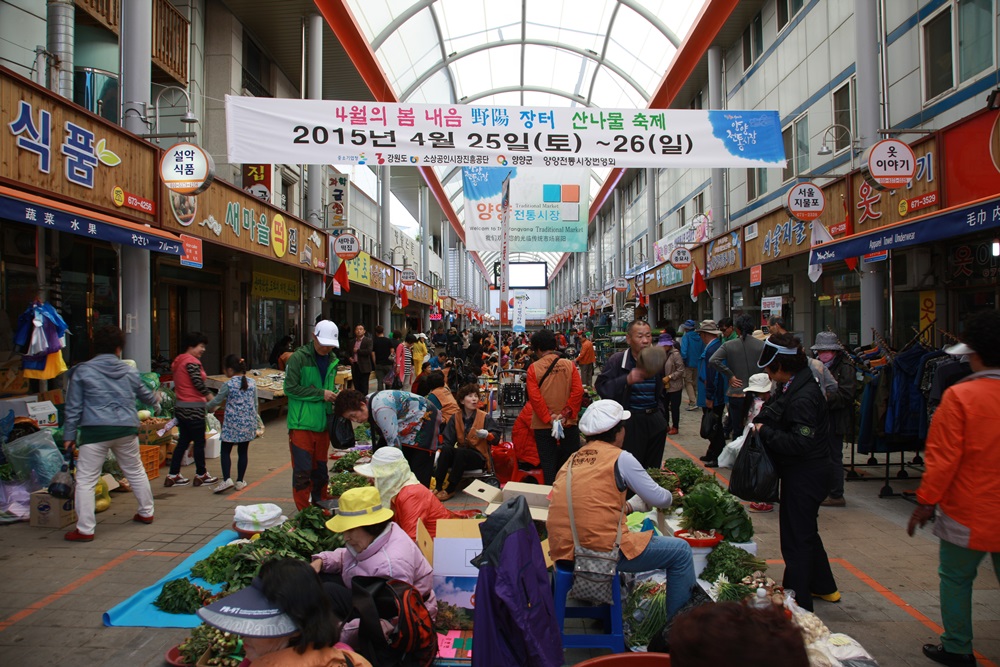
[346, 246]
[420, 292]
[54, 148]
[340, 193]
[335, 132]
[258, 180]
[930, 228]
[359, 269]
[690, 235]
[621, 285]
[805, 201]
[680, 258]
[724, 255]
[548, 208]
[227, 216]
[187, 169]
[878, 208]
[408, 277]
[890, 164]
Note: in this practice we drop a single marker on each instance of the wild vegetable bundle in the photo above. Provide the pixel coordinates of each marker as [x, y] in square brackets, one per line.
[346, 480]
[709, 506]
[645, 612]
[226, 648]
[688, 473]
[345, 463]
[669, 481]
[732, 562]
[180, 596]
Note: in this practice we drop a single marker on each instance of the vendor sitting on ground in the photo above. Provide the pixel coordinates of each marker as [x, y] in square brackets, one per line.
[602, 475]
[465, 442]
[408, 499]
[284, 619]
[376, 547]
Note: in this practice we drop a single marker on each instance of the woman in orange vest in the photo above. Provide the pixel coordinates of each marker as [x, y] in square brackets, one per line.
[465, 442]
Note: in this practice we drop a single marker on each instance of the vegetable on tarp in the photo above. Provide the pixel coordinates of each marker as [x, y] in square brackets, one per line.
[180, 596]
[731, 561]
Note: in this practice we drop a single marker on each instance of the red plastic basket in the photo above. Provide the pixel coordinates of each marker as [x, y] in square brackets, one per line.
[150, 455]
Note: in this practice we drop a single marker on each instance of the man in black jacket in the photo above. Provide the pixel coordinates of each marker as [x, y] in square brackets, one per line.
[640, 393]
[840, 404]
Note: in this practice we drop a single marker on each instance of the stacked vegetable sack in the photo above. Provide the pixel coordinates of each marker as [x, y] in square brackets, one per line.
[706, 509]
[234, 566]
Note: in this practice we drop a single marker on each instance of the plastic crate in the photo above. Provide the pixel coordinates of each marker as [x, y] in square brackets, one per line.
[150, 455]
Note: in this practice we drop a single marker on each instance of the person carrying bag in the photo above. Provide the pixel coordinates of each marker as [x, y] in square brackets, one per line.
[754, 478]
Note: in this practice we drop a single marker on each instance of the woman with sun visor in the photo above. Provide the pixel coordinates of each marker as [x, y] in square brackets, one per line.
[793, 428]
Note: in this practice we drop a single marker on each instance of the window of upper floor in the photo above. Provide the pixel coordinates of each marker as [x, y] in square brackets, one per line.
[756, 183]
[753, 41]
[697, 101]
[845, 114]
[787, 9]
[795, 137]
[957, 43]
[256, 69]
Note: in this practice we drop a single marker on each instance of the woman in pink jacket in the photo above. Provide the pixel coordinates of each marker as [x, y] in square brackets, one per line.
[376, 547]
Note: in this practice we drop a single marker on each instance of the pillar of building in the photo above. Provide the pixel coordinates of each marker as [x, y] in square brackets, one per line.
[314, 283]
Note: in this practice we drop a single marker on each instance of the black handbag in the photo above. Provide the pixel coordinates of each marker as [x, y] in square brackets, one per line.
[754, 478]
[710, 422]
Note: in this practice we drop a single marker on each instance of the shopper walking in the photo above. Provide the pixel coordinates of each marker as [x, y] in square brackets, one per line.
[239, 422]
[622, 380]
[556, 393]
[419, 351]
[711, 393]
[691, 349]
[736, 360]
[793, 429]
[362, 359]
[673, 383]
[404, 360]
[840, 405]
[310, 385]
[585, 360]
[100, 416]
[192, 397]
[382, 348]
[962, 479]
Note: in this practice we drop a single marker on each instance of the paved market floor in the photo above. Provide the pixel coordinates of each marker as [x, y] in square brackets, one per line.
[53, 592]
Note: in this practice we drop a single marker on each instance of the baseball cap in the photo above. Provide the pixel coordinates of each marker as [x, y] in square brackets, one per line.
[326, 333]
[247, 612]
[959, 350]
[602, 416]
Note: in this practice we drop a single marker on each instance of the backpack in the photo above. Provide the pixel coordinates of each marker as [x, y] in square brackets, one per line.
[412, 642]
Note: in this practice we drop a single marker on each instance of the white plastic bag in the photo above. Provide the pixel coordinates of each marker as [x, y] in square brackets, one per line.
[729, 453]
[557, 429]
[258, 517]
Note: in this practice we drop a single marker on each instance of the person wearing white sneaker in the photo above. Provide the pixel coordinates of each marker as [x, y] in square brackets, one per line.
[240, 485]
[224, 485]
[239, 423]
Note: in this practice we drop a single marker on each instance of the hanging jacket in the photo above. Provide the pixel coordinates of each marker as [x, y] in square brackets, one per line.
[514, 617]
[902, 419]
[840, 402]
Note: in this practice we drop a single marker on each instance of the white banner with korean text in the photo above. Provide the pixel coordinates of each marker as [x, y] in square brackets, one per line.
[278, 130]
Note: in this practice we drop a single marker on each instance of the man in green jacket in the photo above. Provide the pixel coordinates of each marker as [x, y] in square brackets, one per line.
[310, 385]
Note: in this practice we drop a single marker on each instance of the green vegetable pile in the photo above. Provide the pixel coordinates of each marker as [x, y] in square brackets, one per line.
[733, 562]
[708, 506]
[346, 480]
[669, 481]
[645, 612]
[180, 596]
[362, 433]
[345, 463]
[688, 472]
[730, 592]
[226, 648]
[7, 473]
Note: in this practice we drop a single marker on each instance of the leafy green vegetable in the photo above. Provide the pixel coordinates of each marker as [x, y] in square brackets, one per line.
[345, 463]
[7, 473]
[669, 481]
[730, 592]
[708, 506]
[226, 648]
[731, 561]
[218, 564]
[362, 432]
[180, 596]
[346, 480]
[645, 612]
[688, 472]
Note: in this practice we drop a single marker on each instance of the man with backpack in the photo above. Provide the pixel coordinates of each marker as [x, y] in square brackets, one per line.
[555, 392]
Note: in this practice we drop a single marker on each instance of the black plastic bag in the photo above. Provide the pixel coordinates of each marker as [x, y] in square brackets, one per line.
[709, 424]
[754, 478]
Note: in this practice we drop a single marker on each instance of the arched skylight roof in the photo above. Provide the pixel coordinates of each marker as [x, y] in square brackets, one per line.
[588, 53]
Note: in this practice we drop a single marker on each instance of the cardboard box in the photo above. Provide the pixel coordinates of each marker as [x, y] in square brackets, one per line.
[44, 412]
[537, 495]
[457, 542]
[19, 404]
[49, 512]
[110, 480]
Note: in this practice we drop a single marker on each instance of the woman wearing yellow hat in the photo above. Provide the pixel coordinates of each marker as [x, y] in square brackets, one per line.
[376, 547]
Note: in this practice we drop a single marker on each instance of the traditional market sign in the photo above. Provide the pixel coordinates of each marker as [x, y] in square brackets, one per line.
[340, 193]
[327, 131]
[346, 246]
[52, 147]
[877, 208]
[724, 254]
[408, 277]
[187, 169]
[891, 164]
[680, 258]
[621, 285]
[227, 216]
[805, 201]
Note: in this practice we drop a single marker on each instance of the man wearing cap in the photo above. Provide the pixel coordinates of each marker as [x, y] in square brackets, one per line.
[585, 360]
[711, 390]
[310, 385]
[640, 390]
[962, 479]
[840, 406]
[736, 359]
[588, 498]
[691, 349]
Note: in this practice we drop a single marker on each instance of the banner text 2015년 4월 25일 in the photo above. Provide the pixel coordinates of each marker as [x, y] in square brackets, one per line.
[335, 132]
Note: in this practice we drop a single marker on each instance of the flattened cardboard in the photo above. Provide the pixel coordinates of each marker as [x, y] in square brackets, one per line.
[537, 495]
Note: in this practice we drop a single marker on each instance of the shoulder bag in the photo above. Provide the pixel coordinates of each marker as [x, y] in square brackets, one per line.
[593, 571]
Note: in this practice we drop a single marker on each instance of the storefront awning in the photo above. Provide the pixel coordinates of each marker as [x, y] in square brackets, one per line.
[939, 226]
[18, 206]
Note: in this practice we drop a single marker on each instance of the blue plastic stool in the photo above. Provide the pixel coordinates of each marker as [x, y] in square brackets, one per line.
[614, 637]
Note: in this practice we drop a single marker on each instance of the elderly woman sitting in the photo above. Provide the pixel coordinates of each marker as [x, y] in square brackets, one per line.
[408, 498]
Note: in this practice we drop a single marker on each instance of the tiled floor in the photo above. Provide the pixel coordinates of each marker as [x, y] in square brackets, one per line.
[53, 593]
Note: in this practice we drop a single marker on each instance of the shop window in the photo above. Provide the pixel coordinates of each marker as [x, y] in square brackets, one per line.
[845, 113]
[681, 216]
[699, 203]
[954, 51]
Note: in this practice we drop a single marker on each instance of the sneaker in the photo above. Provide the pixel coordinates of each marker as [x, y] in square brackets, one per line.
[829, 597]
[138, 518]
[240, 485]
[761, 507]
[937, 653]
[221, 486]
[712, 464]
[692, 407]
[205, 479]
[673, 431]
[76, 536]
[176, 480]
[834, 502]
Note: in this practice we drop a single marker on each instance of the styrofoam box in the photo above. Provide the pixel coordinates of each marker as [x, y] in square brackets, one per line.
[213, 445]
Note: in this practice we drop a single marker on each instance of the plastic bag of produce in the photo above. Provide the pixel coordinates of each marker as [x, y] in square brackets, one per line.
[152, 381]
[754, 478]
[15, 498]
[728, 456]
[35, 456]
[258, 517]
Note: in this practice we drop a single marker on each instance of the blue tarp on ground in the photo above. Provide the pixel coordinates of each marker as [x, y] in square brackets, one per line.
[138, 611]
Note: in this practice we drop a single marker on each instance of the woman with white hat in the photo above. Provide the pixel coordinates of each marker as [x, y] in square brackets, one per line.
[840, 403]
